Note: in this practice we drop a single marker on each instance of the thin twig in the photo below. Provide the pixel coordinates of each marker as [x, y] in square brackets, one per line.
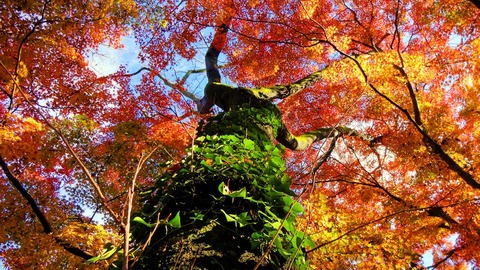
[129, 206]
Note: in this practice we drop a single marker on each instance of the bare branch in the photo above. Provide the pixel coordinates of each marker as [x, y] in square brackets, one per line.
[36, 210]
[147, 242]
[438, 211]
[312, 41]
[451, 163]
[325, 156]
[411, 92]
[129, 206]
[180, 89]
[437, 148]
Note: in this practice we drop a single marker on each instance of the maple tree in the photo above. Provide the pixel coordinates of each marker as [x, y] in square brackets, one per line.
[403, 74]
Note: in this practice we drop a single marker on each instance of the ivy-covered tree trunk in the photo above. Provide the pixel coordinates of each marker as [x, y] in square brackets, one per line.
[228, 202]
[229, 205]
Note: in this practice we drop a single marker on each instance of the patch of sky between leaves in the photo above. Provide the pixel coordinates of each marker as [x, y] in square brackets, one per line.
[107, 60]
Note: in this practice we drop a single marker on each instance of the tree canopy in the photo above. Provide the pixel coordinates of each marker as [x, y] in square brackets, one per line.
[77, 149]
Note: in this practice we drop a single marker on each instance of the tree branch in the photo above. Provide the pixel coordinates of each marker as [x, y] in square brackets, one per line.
[211, 57]
[175, 86]
[437, 211]
[47, 228]
[284, 91]
[305, 140]
[211, 64]
[452, 164]
[31, 202]
[437, 148]
[361, 226]
[129, 206]
[437, 264]
[413, 98]
[325, 156]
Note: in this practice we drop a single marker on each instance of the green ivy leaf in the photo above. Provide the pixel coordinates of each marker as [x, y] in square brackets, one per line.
[242, 219]
[108, 251]
[308, 242]
[141, 221]
[205, 164]
[197, 216]
[276, 162]
[249, 144]
[288, 201]
[228, 149]
[242, 193]
[175, 222]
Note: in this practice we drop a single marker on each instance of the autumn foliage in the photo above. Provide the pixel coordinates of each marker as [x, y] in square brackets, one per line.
[77, 147]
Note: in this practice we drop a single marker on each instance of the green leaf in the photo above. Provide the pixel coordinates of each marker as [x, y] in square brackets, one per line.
[232, 138]
[249, 144]
[197, 216]
[228, 149]
[108, 251]
[141, 221]
[276, 225]
[257, 239]
[280, 248]
[175, 222]
[209, 155]
[242, 193]
[297, 208]
[289, 224]
[308, 242]
[256, 201]
[276, 162]
[230, 218]
[205, 164]
[242, 219]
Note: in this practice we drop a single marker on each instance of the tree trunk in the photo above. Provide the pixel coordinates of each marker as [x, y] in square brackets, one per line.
[232, 195]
